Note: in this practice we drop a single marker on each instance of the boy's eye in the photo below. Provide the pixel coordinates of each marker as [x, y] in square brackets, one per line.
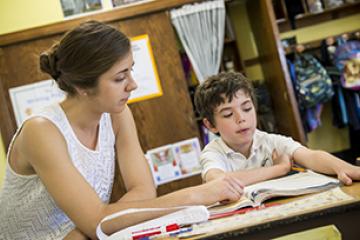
[247, 109]
[227, 115]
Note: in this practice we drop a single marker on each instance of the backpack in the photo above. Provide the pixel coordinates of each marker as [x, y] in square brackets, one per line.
[347, 60]
[312, 84]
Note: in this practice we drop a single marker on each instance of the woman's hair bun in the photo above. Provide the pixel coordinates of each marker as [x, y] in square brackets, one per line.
[48, 62]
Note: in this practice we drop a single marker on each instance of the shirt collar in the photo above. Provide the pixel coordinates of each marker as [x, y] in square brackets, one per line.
[255, 145]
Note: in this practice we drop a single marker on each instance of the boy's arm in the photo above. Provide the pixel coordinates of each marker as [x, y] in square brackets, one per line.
[281, 167]
[321, 161]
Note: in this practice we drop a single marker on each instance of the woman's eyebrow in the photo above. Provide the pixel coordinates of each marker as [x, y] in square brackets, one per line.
[124, 70]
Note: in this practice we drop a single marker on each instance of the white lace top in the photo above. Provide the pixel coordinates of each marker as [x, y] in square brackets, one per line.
[27, 211]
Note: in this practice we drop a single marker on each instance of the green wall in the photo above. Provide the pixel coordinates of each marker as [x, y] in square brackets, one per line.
[16, 15]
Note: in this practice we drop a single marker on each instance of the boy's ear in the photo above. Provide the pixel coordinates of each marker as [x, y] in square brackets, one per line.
[209, 126]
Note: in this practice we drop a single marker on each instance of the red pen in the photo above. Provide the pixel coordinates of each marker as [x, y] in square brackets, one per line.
[154, 231]
[241, 211]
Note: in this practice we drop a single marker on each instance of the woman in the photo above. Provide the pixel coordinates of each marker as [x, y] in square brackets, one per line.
[61, 162]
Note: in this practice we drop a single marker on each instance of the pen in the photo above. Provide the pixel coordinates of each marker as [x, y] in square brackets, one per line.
[241, 211]
[146, 233]
[172, 234]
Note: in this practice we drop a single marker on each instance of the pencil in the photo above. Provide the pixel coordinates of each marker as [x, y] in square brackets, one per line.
[298, 169]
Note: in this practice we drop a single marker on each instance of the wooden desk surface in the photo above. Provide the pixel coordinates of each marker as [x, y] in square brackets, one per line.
[344, 216]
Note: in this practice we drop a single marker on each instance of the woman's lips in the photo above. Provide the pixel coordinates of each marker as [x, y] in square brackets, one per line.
[125, 99]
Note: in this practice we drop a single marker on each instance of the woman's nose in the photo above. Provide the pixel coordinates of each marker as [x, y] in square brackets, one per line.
[131, 85]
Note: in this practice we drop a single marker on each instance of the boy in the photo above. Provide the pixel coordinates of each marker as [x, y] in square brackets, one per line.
[226, 104]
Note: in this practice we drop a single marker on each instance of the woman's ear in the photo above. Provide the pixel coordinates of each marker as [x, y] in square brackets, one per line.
[81, 92]
[209, 126]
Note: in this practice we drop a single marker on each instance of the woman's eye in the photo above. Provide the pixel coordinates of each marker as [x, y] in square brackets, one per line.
[119, 79]
[247, 109]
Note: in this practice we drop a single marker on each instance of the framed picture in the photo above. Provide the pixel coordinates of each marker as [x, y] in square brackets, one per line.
[76, 7]
[117, 3]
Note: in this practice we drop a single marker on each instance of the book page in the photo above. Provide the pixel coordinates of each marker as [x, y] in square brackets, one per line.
[296, 184]
[224, 208]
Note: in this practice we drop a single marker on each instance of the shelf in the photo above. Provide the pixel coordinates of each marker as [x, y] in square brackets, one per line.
[316, 44]
[310, 19]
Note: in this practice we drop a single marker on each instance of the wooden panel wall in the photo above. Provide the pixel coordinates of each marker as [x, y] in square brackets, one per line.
[274, 68]
[159, 121]
[169, 118]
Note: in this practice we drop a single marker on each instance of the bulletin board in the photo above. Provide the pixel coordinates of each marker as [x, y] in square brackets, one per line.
[144, 70]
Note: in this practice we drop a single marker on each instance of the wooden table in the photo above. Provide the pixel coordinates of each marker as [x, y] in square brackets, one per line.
[344, 216]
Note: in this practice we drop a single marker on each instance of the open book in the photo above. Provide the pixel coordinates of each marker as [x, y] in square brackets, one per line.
[292, 185]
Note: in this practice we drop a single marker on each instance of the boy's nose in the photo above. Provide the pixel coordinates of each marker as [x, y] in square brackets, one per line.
[239, 118]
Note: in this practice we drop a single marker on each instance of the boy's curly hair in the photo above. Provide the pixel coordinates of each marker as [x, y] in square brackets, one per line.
[218, 88]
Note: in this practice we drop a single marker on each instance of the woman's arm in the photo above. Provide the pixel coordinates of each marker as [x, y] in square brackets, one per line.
[133, 166]
[226, 188]
[324, 162]
[76, 234]
[49, 157]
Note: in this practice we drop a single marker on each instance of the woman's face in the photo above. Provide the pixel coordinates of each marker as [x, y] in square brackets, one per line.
[115, 86]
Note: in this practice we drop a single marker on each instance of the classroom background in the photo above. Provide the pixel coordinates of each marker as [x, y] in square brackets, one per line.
[23, 25]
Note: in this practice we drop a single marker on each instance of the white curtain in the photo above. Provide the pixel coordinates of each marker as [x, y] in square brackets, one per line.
[201, 29]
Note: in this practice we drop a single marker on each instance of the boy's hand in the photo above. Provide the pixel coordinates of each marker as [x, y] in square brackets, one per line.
[282, 160]
[221, 189]
[348, 173]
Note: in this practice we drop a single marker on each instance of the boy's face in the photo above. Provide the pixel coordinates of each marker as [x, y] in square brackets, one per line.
[235, 121]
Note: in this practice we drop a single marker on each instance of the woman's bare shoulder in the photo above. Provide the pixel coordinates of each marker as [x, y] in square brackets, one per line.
[36, 135]
[39, 134]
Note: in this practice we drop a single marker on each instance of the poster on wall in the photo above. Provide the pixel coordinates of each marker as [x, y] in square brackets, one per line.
[174, 161]
[163, 164]
[30, 98]
[187, 153]
[144, 70]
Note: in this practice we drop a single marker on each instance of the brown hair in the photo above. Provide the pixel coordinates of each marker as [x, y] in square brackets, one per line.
[216, 89]
[83, 54]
